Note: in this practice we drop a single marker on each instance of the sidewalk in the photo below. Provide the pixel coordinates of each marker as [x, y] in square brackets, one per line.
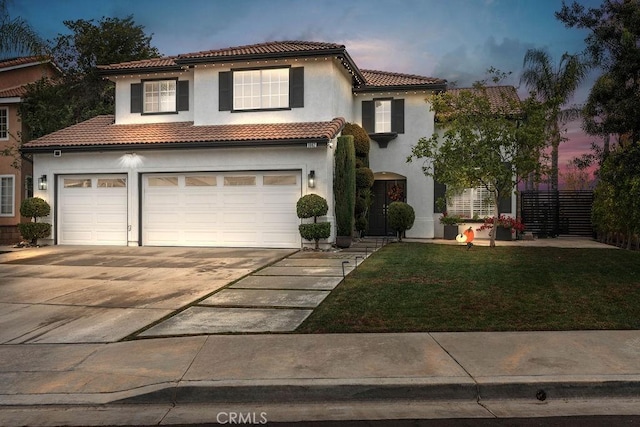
[290, 377]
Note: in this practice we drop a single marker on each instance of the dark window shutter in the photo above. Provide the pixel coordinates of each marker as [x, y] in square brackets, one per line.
[368, 116]
[504, 205]
[183, 95]
[296, 87]
[439, 191]
[397, 115]
[225, 85]
[136, 97]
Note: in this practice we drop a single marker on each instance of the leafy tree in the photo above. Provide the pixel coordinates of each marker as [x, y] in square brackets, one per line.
[17, 37]
[483, 144]
[82, 94]
[613, 44]
[553, 87]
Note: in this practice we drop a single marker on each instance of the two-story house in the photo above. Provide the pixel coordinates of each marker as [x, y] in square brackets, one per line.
[214, 148]
[16, 172]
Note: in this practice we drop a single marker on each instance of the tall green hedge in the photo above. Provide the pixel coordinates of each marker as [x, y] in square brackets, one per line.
[344, 185]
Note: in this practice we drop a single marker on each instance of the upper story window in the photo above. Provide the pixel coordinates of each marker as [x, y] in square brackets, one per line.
[160, 96]
[4, 123]
[261, 89]
[385, 115]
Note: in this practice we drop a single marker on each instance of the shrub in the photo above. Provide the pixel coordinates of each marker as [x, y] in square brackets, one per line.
[311, 206]
[362, 223]
[360, 138]
[34, 208]
[344, 185]
[401, 217]
[364, 178]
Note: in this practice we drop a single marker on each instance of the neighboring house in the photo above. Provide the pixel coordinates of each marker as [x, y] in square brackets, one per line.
[15, 172]
[215, 148]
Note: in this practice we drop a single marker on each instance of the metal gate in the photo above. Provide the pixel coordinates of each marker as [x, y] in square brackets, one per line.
[551, 213]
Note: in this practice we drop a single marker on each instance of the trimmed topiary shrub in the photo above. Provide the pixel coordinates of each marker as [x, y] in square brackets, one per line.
[364, 178]
[401, 217]
[360, 138]
[313, 206]
[344, 185]
[34, 207]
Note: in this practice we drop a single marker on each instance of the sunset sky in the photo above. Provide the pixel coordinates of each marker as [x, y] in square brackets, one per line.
[457, 40]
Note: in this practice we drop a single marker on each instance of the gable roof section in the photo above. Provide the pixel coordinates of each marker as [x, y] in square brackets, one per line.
[99, 134]
[26, 61]
[385, 81]
[501, 98]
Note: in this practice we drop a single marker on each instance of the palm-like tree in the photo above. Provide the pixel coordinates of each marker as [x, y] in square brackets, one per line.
[553, 87]
[17, 37]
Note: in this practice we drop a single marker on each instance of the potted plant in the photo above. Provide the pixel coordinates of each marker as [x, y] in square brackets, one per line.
[506, 226]
[450, 223]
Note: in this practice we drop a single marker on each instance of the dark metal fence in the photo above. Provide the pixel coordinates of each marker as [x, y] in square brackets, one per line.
[551, 213]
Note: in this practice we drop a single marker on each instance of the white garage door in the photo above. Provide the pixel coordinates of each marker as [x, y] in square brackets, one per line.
[248, 209]
[92, 210]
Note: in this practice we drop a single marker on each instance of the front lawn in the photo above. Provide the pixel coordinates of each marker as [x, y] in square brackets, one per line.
[430, 287]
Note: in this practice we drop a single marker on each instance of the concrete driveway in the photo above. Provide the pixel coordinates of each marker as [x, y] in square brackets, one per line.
[67, 294]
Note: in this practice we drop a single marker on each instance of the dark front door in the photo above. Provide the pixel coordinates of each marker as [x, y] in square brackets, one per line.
[384, 192]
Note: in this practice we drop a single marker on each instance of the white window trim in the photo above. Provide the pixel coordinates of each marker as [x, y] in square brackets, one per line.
[6, 136]
[258, 93]
[13, 195]
[160, 103]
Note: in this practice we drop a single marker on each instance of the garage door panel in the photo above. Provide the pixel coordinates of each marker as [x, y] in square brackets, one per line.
[92, 215]
[222, 209]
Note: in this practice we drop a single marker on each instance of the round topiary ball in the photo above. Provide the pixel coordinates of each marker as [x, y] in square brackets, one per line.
[364, 178]
[401, 217]
[360, 138]
[311, 205]
[34, 207]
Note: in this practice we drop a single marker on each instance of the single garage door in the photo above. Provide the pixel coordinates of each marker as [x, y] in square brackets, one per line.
[92, 210]
[247, 209]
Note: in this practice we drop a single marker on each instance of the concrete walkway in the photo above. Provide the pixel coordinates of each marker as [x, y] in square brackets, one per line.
[291, 377]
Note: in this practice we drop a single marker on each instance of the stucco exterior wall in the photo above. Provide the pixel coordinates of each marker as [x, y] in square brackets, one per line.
[319, 159]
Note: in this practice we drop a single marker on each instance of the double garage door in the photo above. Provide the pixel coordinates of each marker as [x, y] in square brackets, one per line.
[247, 209]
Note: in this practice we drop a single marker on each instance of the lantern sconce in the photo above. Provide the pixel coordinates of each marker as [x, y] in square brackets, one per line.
[42, 182]
[312, 179]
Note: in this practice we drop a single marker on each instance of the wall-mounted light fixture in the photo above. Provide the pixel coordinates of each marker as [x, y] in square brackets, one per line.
[42, 182]
[311, 179]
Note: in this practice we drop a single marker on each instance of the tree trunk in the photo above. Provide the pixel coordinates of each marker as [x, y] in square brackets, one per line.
[555, 145]
[496, 214]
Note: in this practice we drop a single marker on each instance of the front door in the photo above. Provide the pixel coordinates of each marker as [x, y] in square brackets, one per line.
[384, 193]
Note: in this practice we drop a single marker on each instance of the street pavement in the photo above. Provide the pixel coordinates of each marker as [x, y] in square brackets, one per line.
[114, 360]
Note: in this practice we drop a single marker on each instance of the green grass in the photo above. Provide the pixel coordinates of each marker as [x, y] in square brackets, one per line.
[407, 287]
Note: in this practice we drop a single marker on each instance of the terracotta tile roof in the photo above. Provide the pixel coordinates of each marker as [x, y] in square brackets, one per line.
[383, 79]
[100, 133]
[14, 62]
[13, 92]
[165, 62]
[274, 48]
[501, 98]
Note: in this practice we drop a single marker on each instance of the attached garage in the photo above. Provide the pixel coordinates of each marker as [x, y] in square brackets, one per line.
[92, 210]
[226, 209]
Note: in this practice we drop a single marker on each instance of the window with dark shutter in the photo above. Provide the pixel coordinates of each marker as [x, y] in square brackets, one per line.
[368, 116]
[136, 98]
[439, 192]
[397, 115]
[296, 91]
[225, 85]
[183, 95]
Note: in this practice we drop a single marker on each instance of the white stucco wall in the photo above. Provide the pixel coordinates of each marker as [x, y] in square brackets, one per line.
[319, 159]
[418, 123]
